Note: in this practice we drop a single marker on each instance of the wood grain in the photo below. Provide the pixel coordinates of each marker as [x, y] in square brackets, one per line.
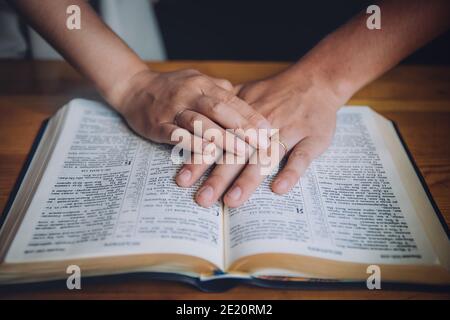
[417, 98]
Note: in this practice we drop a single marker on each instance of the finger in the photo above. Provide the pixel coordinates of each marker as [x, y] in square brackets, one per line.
[217, 182]
[260, 165]
[202, 126]
[299, 159]
[231, 112]
[223, 83]
[190, 173]
[172, 134]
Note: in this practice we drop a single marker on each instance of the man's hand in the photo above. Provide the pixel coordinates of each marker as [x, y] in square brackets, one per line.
[302, 101]
[157, 104]
[304, 111]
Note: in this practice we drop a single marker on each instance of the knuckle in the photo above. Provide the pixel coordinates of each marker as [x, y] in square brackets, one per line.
[226, 98]
[294, 174]
[226, 84]
[301, 154]
[196, 81]
[215, 108]
[256, 119]
[216, 179]
[190, 71]
[250, 180]
[232, 99]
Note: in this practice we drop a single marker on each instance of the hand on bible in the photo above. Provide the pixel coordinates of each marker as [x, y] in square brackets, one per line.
[156, 104]
[304, 111]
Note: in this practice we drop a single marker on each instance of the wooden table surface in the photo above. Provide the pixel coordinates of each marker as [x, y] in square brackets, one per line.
[416, 98]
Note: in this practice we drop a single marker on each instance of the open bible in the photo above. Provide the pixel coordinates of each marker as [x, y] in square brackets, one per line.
[96, 195]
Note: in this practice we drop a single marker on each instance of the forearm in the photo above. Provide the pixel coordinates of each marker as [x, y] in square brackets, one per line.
[353, 55]
[94, 49]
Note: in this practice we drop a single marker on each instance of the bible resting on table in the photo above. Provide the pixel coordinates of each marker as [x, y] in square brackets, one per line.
[95, 195]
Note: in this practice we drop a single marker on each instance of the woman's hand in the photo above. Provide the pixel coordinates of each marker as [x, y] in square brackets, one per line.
[303, 109]
[157, 104]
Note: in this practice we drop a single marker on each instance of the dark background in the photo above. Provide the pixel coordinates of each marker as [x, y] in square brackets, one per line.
[263, 30]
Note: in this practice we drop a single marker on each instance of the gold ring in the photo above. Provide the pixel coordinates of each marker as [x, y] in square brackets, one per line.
[283, 145]
[175, 119]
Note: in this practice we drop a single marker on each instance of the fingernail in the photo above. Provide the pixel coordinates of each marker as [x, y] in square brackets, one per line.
[184, 175]
[282, 185]
[235, 193]
[206, 193]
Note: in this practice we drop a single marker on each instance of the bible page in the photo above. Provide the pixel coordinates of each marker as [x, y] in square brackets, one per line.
[349, 206]
[108, 192]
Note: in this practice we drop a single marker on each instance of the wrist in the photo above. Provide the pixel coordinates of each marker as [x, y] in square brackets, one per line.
[308, 82]
[118, 93]
[326, 73]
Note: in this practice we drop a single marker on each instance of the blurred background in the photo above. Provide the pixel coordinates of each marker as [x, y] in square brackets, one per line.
[260, 30]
